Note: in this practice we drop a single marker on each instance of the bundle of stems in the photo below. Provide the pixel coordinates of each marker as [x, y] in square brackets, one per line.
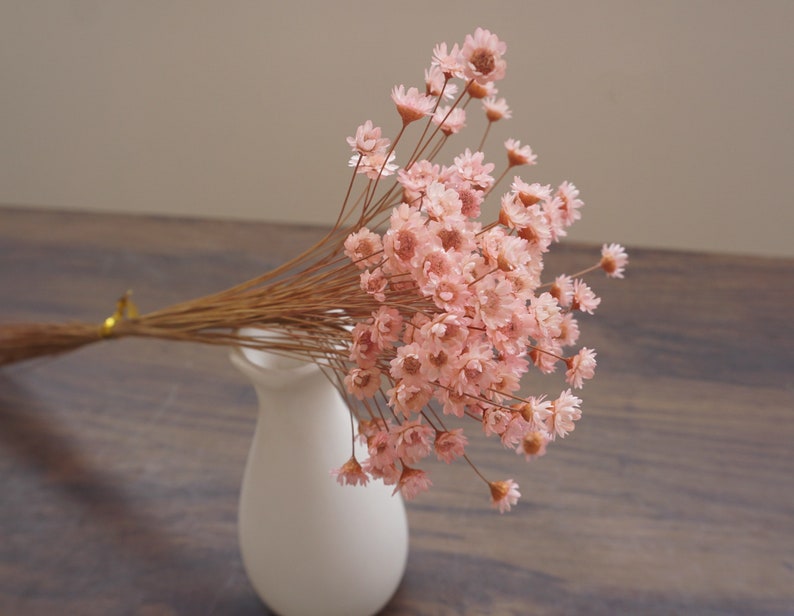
[434, 306]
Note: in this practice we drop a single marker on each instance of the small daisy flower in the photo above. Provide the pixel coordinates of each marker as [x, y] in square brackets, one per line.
[363, 350]
[374, 283]
[448, 62]
[412, 105]
[547, 316]
[544, 355]
[368, 140]
[407, 364]
[437, 83]
[504, 494]
[533, 445]
[450, 121]
[350, 473]
[386, 326]
[481, 90]
[363, 382]
[530, 194]
[513, 214]
[450, 445]
[380, 446]
[482, 56]
[562, 290]
[564, 412]
[408, 399]
[472, 168]
[363, 248]
[570, 203]
[518, 154]
[613, 260]
[412, 482]
[496, 110]
[374, 165]
[580, 367]
[569, 330]
[471, 199]
[584, 298]
[413, 440]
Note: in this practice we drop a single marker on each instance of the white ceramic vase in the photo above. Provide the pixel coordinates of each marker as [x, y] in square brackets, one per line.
[309, 545]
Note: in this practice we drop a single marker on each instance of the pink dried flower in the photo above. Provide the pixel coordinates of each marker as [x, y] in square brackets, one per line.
[417, 179]
[363, 382]
[518, 154]
[547, 316]
[495, 301]
[412, 481]
[613, 260]
[495, 420]
[564, 412]
[350, 473]
[374, 283]
[555, 219]
[481, 90]
[437, 83]
[535, 410]
[471, 199]
[412, 105]
[382, 457]
[515, 431]
[448, 62]
[363, 350]
[406, 235]
[409, 399]
[562, 290]
[570, 203]
[513, 213]
[530, 194]
[580, 367]
[471, 168]
[450, 121]
[545, 354]
[533, 445]
[504, 494]
[368, 140]
[374, 165]
[441, 202]
[482, 57]
[387, 324]
[413, 440]
[450, 445]
[584, 298]
[407, 365]
[363, 247]
[496, 110]
[569, 330]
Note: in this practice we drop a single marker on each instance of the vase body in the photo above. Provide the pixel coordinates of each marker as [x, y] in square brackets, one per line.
[309, 545]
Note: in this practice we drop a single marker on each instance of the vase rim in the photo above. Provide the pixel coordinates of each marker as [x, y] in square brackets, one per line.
[259, 363]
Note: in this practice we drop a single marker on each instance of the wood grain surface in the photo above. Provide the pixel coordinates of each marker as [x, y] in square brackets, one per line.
[120, 464]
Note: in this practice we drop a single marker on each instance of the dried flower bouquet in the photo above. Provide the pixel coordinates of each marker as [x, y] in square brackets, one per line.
[410, 304]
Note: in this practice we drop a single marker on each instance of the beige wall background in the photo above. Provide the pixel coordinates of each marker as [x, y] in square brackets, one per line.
[674, 118]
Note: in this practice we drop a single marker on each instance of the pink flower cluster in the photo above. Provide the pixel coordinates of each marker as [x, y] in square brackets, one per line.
[459, 311]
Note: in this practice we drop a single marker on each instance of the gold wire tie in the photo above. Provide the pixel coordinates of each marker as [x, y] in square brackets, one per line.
[125, 309]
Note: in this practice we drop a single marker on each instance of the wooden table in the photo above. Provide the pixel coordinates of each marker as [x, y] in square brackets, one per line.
[120, 464]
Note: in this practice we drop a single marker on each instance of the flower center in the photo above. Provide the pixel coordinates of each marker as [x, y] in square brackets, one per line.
[483, 61]
[411, 365]
[406, 245]
[450, 239]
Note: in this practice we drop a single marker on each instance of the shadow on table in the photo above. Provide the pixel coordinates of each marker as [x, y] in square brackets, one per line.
[78, 539]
